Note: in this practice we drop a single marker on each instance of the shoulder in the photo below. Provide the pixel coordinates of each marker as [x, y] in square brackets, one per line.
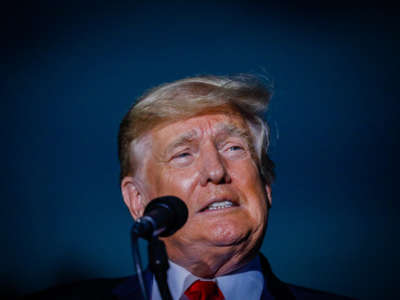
[101, 288]
[307, 293]
[282, 290]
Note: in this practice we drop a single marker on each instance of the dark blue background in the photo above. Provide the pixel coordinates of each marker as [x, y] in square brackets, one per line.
[70, 71]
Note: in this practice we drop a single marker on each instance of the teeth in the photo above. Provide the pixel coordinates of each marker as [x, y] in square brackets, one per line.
[220, 204]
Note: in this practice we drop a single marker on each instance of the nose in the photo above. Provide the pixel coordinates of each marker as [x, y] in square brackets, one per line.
[213, 167]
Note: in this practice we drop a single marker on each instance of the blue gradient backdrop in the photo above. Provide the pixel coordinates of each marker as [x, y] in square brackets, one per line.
[70, 71]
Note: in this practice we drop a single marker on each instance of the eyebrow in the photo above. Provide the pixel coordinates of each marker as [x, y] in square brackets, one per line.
[223, 129]
[232, 130]
[226, 130]
[184, 139]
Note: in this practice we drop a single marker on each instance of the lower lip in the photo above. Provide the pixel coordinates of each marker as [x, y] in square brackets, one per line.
[223, 209]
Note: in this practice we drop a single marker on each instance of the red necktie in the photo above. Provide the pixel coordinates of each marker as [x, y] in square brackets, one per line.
[204, 290]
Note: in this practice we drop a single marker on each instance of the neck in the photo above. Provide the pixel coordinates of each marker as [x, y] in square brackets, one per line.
[212, 263]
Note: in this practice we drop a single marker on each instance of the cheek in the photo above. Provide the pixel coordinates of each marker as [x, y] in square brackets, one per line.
[252, 189]
[246, 176]
[179, 184]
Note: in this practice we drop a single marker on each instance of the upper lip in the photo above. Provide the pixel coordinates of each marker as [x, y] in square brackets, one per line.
[234, 201]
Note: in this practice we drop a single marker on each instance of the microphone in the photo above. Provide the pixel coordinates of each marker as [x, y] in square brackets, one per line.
[163, 216]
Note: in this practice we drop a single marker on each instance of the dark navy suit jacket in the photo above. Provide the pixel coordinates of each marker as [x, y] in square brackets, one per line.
[128, 288]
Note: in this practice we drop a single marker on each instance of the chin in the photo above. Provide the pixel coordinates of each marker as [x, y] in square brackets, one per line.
[227, 234]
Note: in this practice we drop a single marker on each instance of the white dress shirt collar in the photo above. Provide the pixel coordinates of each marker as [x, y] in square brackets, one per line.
[245, 283]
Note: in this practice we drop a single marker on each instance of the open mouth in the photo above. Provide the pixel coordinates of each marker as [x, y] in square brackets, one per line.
[218, 205]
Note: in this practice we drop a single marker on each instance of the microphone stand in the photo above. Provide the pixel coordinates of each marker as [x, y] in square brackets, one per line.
[162, 216]
[158, 261]
[138, 261]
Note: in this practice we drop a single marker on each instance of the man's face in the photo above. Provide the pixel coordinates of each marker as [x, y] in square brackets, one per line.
[207, 162]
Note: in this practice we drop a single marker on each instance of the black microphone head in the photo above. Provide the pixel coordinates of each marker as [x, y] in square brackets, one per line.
[174, 216]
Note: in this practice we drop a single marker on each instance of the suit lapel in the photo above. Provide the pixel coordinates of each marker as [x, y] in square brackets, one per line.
[273, 287]
[130, 288]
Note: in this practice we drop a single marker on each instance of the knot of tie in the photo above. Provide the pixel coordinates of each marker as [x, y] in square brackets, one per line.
[204, 290]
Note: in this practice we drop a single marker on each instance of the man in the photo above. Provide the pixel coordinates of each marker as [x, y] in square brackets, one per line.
[203, 140]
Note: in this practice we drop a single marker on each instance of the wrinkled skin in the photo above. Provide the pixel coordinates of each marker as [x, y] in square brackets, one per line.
[202, 160]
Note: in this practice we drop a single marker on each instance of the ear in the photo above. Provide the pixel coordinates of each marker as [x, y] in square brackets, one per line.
[133, 196]
[269, 194]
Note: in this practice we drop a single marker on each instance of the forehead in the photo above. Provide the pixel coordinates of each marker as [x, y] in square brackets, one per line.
[200, 126]
[164, 138]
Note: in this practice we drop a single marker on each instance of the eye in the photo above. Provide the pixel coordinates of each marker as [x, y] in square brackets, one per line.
[182, 159]
[235, 148]
[182, 155]
[235, 151]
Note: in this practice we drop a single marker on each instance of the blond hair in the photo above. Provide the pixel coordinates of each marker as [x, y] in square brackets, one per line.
[245, 95]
